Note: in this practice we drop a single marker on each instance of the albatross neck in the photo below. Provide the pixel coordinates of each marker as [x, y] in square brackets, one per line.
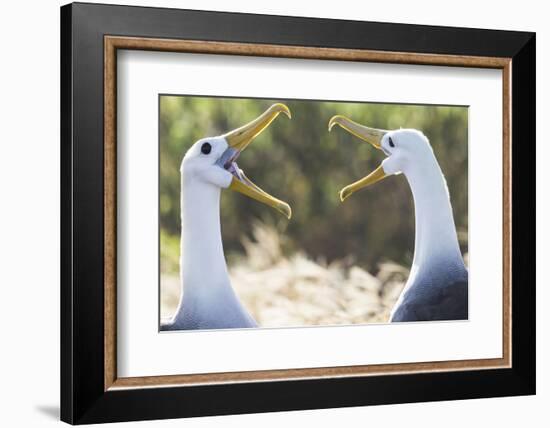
[435, 234]
[203, 263]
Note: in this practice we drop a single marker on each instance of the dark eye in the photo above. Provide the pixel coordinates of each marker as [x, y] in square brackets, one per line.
[206, 148]
[391, 142]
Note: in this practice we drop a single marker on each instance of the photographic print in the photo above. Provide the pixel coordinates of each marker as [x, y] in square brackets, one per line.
[262, 223]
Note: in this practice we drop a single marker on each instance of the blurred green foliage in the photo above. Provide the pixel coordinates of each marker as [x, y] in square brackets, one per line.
[300, 162]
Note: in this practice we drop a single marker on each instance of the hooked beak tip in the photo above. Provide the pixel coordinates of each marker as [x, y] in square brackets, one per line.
[333, 121]
[285, 210]
[344, 194]
[281, 108]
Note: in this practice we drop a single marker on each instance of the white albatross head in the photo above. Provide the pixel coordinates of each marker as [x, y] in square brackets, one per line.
[213, 160]
[407, 151]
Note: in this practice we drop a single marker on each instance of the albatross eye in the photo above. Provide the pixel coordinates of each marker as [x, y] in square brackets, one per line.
[391, 142]
[206, 148]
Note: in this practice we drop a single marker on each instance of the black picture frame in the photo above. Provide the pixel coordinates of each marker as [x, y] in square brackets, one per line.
[83, 396]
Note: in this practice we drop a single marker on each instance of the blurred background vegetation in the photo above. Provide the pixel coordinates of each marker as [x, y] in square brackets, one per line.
[300, 162]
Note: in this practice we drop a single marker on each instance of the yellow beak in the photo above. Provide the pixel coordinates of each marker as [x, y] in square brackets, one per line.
[248, 188]
[241, 137]
[372, 136]
[238, 140]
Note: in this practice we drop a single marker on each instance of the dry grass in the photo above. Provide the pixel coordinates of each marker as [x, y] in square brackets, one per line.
[284, 291]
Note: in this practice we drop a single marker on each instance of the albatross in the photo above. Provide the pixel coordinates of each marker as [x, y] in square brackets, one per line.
[437, 287]
[208, 300]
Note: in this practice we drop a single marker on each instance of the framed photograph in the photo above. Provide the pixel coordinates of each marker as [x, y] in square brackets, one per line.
[265, 213]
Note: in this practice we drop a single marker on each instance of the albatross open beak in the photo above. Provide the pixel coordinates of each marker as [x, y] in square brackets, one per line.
[372, 136]
[238, 140]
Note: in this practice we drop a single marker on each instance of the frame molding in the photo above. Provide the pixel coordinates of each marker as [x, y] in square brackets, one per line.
[90, 391]
[114, 43]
